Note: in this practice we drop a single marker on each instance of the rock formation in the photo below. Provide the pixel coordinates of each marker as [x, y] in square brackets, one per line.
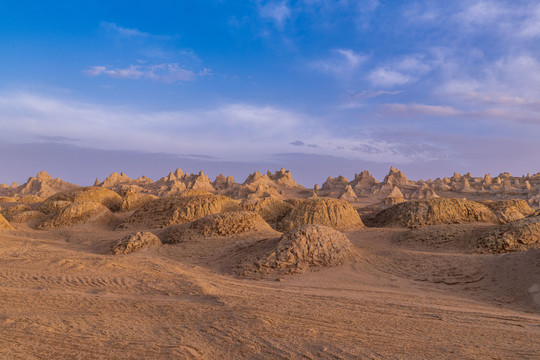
[335, 213]
[133, 243]
[224, 224]
[304, 247]
[77, 213]
[179, 209]
[518, 235]
[430, 212]
[348, 194]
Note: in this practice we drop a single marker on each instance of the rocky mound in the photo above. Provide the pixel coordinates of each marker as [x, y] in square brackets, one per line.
[178, 210]
[462, 237]
[430, 212]
[4, 224]
[30, 199]
[10, 212]
[26, 216]
[133, 243]
[307, 246]
[104, 196]
[132, 200]
[76, 213]
[225, 224]
[53, 206]
[335, 213]
[271, 208]
[509, 210]
[518, 235]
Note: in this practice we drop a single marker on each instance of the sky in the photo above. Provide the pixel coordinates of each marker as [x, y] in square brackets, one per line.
[320, 87]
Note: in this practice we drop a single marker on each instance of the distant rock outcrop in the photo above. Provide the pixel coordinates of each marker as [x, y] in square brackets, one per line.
[395, 197]
[348, 194]
[43, 185]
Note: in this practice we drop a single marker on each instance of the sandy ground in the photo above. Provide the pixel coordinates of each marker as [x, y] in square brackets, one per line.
[63, 297]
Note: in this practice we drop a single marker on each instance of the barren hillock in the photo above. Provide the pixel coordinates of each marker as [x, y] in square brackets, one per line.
[304, 247]
[335, 213]
[77, 213]
[430, 212]
[4, 224]
[178, 209]
[518, 235]
[135, 242]
[10, 212]
[508, 210]
[132, 200]
[224, 224]
[104, 196]
[271, 208]
[26, 216]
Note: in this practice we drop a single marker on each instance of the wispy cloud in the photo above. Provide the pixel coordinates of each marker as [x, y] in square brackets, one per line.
[124, 31]
[389, 78]
[229, 132]
[277, 12]
[413, 110]
[342, 62]
[161, 72]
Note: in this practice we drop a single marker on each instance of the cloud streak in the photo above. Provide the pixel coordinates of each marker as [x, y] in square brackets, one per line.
[159, 72]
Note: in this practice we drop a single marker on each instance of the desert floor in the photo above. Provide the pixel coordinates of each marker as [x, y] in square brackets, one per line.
[62, 296]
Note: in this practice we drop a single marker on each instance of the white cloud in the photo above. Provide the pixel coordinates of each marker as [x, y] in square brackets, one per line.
[228, 132]
[413, 110]
[123, 31]
[389, 78]
[277, 12]
[163, 72]
[342, 63]
[482, 12]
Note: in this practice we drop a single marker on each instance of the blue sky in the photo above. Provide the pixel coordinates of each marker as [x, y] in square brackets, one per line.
[429, 86]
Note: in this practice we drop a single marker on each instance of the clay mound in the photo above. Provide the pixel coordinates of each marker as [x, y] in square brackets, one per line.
[132, 200]
[509, 210]
[178, 210]
[518, 235]
[430, 212]
[26, 216]
[307, 246]
[226, 224]
[76, 213]
[334, 213]
[133, 243]
[7, 199]
[107, 197]
[53, 206]
[271, 208]
[4, 224]
[10, 212]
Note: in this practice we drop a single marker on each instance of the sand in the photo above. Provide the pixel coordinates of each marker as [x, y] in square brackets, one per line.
[399, 293]
[64, 296]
